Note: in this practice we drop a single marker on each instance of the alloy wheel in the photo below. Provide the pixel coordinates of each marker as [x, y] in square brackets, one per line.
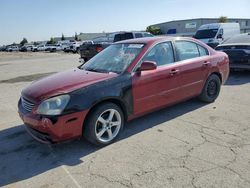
[108, 125]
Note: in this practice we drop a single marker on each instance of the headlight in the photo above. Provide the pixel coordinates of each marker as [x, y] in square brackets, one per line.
[53, 106]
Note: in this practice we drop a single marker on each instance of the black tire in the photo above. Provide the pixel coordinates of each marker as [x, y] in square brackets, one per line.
[93, 126]
[211, 89]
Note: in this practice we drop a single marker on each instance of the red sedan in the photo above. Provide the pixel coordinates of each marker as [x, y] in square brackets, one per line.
[126, 80]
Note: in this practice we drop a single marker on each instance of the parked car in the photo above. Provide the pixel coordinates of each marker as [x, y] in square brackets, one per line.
[55, 48]
[238, 50]
[48, 46]
[12, 49]
[215, 33]
[23, 49]
[41, 47]
[3, 48]
[89, 50]
[64, 43]
[28, 48]
[73, 47]
[126, 80]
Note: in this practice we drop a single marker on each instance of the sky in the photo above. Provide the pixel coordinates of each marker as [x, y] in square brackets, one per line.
[39, 20]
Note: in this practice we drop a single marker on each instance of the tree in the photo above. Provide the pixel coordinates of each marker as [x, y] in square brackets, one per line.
[51, 41]
[62, 38]
[23, 42]
[76, 37]
[223, 19]
[154, 30]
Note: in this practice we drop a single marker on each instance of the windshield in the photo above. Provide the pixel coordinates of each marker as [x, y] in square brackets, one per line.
[206, 34]
[116, 58]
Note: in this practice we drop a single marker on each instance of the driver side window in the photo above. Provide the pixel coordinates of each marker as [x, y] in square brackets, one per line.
[162, 54]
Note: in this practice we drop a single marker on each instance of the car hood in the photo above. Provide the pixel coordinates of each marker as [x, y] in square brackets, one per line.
[63, 82]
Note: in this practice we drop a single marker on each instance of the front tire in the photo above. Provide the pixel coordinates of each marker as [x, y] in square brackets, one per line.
[104, 124]
[211, 89]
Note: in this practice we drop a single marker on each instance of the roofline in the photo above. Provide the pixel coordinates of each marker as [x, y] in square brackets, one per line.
[199, 19]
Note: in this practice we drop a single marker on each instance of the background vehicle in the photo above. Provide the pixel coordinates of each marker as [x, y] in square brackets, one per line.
[12, 49]
[72, 47]
[3, 48]
[238, 50]
[89, 50]
[215, 33]
[55, 48]
[41, 47]
[48, 46]
[127, 80]
[28, 48]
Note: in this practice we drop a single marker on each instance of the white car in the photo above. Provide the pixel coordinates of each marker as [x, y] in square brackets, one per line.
[41, 47]
[12, 49]
[73, 47]
[55, 48]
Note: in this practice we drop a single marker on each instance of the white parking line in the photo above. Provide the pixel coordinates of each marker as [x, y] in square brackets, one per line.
[65, 169]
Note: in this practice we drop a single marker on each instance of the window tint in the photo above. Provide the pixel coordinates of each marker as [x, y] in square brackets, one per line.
[206, 33]
[162, 54]
[186, 50]
[203, 51]
[138, 35]
[123, 36]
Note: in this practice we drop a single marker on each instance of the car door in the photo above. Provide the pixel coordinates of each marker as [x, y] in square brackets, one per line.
[156, 88]
[193, 62]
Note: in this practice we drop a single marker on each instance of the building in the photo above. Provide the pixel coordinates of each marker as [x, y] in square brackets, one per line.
[90, 36]
[82, 36]
[190, 26]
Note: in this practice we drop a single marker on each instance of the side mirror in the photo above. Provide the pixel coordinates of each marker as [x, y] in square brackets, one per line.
[147, 65]
[219, 36]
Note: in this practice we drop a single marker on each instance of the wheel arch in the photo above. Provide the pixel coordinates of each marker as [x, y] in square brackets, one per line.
[217, 74]
[113, 100]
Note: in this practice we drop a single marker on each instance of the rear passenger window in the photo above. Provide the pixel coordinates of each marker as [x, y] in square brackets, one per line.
[186, 50]
[203, 51]
[138, 35]
[162, 54]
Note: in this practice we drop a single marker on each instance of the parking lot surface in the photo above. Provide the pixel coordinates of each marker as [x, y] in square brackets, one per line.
[191, 144]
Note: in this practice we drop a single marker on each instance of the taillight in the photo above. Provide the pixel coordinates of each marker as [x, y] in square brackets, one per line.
[98, 48]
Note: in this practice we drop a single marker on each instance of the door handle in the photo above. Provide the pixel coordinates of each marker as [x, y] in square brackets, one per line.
[206, 63]
[174, 71]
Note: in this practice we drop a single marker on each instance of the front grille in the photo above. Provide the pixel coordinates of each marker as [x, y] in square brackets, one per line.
[27, 105]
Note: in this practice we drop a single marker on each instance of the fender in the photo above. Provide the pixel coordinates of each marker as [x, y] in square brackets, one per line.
[117, 88]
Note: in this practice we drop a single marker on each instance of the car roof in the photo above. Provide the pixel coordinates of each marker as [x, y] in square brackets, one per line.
[146, 40]
[155, 40]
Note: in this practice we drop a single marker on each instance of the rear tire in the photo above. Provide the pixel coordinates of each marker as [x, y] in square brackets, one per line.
[211, 89]
[104, 124]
